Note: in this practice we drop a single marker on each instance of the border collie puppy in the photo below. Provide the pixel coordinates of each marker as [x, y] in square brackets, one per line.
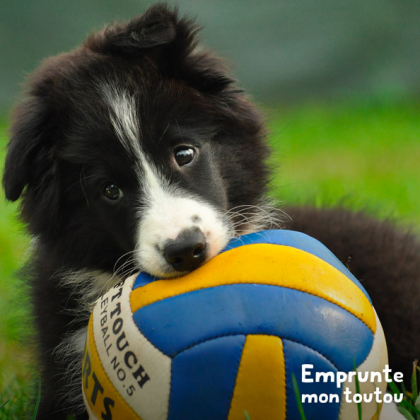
[137, 152]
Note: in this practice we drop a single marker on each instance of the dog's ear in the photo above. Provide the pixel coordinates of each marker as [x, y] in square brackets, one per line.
[155, 28]
[28, 155]
[167, 40]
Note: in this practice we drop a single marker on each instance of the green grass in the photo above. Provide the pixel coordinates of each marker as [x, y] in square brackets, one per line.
[298, 397]
[410, 406]
[15, 366]
[365, 154]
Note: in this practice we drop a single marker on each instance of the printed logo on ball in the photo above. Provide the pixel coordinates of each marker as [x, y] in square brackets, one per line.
[122, 371]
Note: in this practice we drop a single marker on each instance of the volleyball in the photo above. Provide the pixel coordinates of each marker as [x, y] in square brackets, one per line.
[274, 318]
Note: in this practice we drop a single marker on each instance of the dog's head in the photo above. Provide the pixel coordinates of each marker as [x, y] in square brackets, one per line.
[136, 149]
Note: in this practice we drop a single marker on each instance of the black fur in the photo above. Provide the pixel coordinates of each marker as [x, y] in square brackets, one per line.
[63, 150]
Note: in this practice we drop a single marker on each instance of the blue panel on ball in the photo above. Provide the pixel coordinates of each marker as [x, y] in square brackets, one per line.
[295, 355]
[203, 379]
[295, 240]
[179, 322]
[143, 279]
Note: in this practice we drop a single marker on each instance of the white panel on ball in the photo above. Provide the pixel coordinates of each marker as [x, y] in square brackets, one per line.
[124, 351]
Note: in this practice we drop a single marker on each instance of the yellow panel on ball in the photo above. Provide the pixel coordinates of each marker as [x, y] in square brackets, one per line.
[278, 266]
[260, 387]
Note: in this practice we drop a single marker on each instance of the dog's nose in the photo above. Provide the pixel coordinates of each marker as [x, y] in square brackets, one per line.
[187, 251]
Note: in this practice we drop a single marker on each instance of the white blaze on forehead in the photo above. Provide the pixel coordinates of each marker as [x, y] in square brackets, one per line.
[166, 209]
[124, 118]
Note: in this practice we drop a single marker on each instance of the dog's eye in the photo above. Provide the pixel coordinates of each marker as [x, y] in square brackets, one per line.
[112, 192]
[184, 155]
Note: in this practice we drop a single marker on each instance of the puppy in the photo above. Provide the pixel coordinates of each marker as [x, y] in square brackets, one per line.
[137, 152]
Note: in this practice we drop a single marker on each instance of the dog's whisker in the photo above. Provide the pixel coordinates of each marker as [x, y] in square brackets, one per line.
[123, 256]
[121, 270]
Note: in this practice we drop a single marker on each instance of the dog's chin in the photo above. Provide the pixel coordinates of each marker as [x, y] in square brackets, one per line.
[174, 274]
[165, 271]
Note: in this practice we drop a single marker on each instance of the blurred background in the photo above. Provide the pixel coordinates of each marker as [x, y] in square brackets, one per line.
[339, 82]
[285, 51]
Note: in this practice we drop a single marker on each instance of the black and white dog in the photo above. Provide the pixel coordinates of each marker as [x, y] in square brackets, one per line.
[137, 152]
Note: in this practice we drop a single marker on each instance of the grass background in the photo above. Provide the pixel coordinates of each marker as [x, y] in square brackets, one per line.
[365, 154]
